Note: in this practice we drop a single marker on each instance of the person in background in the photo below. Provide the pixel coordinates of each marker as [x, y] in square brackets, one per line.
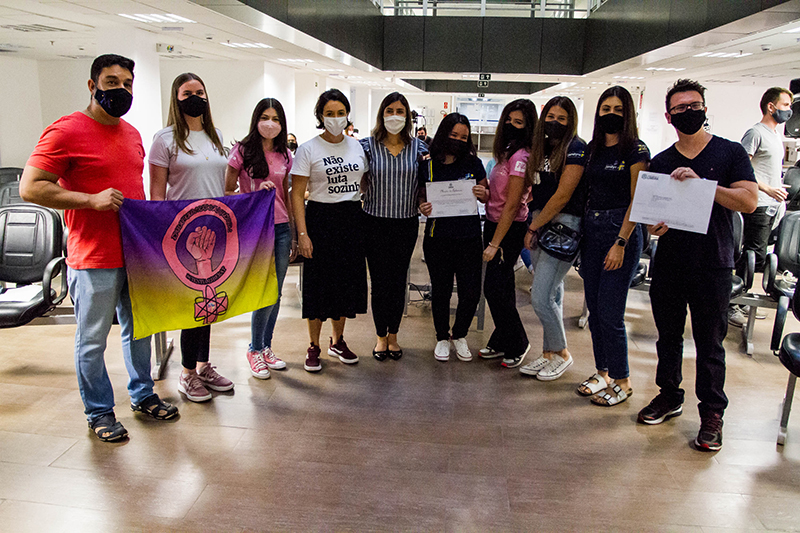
[764, 144]
[262, 161]
[349, 129]
[695, 269]
[422, 135]
[558, 195]
[188, 162]
[86, 163]
[291, 143]
[391, 217]
[452, 245]
[329, 229]
[505, 228]
[611, 243]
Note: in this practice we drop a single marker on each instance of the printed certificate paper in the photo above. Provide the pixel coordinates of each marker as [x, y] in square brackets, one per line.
[684, 205]
[451, 198]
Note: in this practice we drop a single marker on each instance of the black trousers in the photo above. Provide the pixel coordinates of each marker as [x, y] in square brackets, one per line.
[500, 290]
[446, 258]
[195, 345]
[389, 244]
[707, 293]
[757, 226]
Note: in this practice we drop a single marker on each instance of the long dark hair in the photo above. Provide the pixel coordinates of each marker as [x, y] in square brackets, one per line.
[437, 148]
[558, 155]
[251, 146]
[503, 149]
[176, 119]
[379, 131]
[629, 134]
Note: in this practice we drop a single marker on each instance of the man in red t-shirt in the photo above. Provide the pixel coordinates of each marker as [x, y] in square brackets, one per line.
[86, 163]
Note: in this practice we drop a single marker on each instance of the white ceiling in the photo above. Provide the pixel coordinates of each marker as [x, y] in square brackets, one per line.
[774, 55]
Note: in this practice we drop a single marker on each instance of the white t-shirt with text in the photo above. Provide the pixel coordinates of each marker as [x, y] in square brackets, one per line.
[334, 170]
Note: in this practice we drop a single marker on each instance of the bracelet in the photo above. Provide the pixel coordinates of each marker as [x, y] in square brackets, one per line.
[494, 246]
[301, 233]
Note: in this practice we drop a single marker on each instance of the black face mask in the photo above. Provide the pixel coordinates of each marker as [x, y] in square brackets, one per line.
[690, 121]
[512, 133]
[782, 115]
[194, 106]
[611, 123]
[115, 102]
[291, 145]
[555, 130]
[455, 147]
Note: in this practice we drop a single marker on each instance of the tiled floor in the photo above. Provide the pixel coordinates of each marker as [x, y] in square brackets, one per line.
[409, 445]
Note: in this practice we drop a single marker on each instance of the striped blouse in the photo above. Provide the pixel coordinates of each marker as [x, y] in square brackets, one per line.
[392, 190]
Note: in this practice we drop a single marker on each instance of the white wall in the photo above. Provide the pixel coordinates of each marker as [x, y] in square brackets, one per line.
[279, 84]
[308, 87]
[20, 112]
[70, 94]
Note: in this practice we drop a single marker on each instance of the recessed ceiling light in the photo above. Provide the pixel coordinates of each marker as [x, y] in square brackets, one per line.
[244, 45]
[156, 18]
[703, 54]
[296, 60]
[328, 70]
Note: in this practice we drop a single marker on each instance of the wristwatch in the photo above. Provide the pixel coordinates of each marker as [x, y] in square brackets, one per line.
[621, 242]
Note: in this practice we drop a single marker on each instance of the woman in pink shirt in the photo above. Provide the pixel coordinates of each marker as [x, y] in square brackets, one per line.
[504, 230]
[262, 161]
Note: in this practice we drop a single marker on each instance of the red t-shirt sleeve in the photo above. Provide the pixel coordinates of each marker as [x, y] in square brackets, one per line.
[52, 151]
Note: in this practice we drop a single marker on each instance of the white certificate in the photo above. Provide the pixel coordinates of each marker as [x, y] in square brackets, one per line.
[451, 198]
[684, 205]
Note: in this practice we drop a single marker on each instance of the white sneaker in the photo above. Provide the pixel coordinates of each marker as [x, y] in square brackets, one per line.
[531, 369]
[558, 365]
[462, 350]
[489, 353]
[442, 351]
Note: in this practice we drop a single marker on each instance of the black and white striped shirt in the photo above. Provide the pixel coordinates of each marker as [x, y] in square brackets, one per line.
[392, 190]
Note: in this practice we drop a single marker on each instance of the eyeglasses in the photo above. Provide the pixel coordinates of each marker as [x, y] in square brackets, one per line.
[680, 108]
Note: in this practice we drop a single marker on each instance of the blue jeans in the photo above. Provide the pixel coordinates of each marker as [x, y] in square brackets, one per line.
[262, 322]
[607, 290]
[547, 291]
[97, 293]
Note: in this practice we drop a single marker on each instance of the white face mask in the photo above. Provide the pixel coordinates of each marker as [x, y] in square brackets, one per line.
[394, 124]
[335, 125]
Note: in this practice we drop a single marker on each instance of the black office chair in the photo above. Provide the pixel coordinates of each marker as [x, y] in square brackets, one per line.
[9, 174]
[791, 179]
[784, 258]
[9, 194]
[789, 355]
[30, 252]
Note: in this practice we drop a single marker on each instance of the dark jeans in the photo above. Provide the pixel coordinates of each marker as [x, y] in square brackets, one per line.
[194, 346]
[757, 226]
[389, 244]
[607, 290]
[446, 258]
[501, 292]
[707, 293]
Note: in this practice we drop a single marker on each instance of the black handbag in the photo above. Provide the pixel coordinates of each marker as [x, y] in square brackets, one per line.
[560, 241]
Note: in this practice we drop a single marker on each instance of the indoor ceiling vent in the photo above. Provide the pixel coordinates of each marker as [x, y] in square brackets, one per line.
[719, 81]
[31, 28]
[768, 76]
[8, 47]
[181, 56]
[76, 56]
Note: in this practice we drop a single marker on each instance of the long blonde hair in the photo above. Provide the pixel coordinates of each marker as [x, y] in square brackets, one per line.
[176, 119]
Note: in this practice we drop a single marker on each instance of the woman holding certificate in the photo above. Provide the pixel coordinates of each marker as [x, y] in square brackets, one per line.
[329, 236]
[449, 184]
[558, 198]
[611, 243]
[390, 209]
[504, 230]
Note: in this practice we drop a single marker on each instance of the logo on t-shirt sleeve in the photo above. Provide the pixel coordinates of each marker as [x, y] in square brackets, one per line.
[520, 166]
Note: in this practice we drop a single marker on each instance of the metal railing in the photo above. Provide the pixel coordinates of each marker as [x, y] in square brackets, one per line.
[489, 8]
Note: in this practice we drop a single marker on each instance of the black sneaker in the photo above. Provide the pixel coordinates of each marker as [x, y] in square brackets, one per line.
[659, 410]
[709, 439]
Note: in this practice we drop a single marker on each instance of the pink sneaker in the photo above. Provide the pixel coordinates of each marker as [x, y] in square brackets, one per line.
[258, 366]
[192, 386]
[272, 360]
[214, 381]
[341, 351]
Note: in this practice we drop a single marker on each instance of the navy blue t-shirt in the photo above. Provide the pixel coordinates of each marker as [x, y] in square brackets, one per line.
[725, 162]
[465, 168]
[608, 175]
[542, 192]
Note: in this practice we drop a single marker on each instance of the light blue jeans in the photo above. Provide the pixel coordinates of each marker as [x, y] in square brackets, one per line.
[547, 292]
[97, 293]
[262, 321]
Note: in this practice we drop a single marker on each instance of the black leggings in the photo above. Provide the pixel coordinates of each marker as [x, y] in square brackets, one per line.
[194, 346]
[389, 244]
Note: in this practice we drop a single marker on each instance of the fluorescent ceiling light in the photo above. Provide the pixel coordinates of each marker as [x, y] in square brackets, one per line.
[296, 60]
[328, 70]
[703, 54]
[793, 30]
[245, 45]
[469, 76]
[156, 18]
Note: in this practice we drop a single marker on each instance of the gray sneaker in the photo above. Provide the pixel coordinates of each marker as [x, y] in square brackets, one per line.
[736, 317]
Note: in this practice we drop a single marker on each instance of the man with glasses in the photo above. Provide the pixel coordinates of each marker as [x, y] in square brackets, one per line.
[695, 269]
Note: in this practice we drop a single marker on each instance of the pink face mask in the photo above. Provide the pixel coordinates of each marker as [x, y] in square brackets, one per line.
[269, 129]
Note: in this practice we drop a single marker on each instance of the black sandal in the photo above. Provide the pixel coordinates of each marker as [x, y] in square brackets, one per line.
[156, 407]
[107, 428]
[380, 355]
[396, 354]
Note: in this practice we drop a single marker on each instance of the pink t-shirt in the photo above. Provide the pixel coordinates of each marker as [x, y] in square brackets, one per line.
[498, 184]
[279, 168]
